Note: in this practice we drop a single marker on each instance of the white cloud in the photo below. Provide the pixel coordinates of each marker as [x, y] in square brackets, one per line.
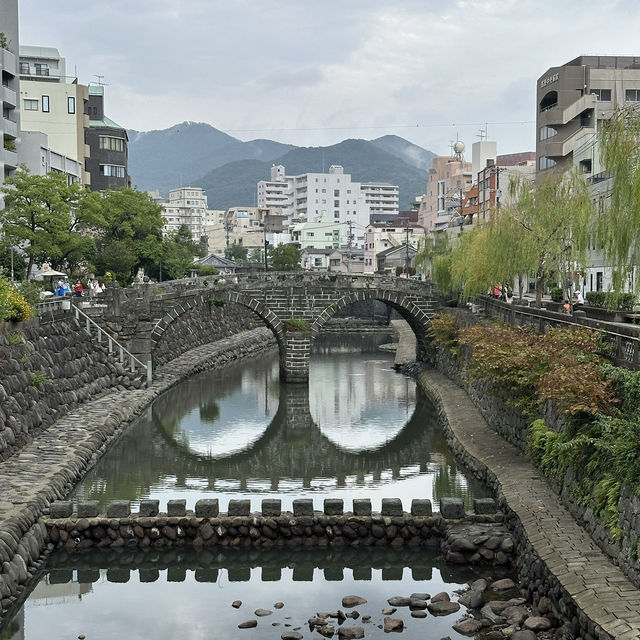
[336, 69]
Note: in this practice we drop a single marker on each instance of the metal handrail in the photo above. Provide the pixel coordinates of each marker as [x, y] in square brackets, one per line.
[564, 321]
[111, 341]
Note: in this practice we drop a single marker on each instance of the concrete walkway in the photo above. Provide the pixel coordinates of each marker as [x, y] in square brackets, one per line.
[597, 586]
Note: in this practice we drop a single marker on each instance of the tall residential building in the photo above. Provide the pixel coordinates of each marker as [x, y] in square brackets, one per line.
[275, 193]
[573, 99]
[52, 105]
[450, 178]
[186, 206]
[9, 89]
[331, 198]
[108, 141]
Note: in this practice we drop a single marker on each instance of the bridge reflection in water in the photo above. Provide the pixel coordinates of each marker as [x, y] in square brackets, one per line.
[358, 430]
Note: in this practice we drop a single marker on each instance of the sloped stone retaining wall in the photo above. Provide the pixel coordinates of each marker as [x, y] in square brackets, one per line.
[46, 370]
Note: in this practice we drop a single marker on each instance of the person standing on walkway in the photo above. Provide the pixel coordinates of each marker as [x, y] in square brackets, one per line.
[77, 289]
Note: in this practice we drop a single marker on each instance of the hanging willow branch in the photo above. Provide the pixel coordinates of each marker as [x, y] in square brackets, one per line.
[618, 227]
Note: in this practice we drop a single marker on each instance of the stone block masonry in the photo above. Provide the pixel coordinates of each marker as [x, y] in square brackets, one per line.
[46, 469]
[465, 538]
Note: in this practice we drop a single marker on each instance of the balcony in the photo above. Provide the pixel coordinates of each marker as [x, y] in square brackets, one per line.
[8, 61]
[566, 146]
[8, 96]
[9, 158]
[556, 115]
[10, 127]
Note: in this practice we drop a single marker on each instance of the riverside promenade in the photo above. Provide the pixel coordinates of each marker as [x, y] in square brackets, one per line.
[597, 586]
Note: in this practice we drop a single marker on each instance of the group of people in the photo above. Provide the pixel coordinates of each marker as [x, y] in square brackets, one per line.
[502, 292]
[94, 287]
[578, 302]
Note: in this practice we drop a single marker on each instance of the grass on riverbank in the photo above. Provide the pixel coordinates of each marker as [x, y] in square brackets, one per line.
[598, 402]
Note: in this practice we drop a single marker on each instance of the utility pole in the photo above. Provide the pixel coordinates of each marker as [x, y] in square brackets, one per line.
[350, 236]
[406, 264]
[266, 246]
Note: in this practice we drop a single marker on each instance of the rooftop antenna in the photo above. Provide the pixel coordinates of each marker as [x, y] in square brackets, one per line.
[102, 84]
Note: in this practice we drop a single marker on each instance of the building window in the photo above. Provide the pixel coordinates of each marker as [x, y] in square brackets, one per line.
[45, 104]
[24, 68]
[336, 193]
[545, 163]
[547, 132]
[112, 170]
[42, 69]
[30, 105]
[631, 95]
[603, 95]
[71, 105]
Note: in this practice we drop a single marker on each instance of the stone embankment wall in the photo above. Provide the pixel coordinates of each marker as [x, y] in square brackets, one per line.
[465, 538]
[46, 370]
[514, 427]
[47, 469]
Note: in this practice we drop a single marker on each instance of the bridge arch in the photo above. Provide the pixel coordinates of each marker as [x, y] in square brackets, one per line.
[409, 309]
[314, 298]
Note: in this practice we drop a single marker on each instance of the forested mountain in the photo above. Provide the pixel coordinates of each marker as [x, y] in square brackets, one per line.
[198, 154]
[164, 159]
[235, 184]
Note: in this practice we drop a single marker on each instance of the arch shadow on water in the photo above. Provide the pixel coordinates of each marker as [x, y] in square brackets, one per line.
[285, 450]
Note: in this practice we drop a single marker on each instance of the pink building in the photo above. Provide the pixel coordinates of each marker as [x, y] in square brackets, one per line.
[449, 180]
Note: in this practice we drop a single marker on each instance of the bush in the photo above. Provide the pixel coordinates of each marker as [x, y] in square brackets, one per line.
[205, 270]
[443, 330]
[557, 295]
[611, 300]
[19, 308]
[296, 324]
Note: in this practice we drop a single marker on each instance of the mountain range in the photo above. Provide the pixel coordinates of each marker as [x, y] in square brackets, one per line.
[228, 169]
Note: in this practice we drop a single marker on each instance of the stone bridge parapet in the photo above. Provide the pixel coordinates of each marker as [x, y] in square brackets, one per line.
[295, 306]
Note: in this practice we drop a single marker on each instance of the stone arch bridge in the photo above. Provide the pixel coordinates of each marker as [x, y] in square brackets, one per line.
[295, 306]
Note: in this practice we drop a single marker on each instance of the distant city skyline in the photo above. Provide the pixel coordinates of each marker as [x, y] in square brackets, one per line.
[315, 73]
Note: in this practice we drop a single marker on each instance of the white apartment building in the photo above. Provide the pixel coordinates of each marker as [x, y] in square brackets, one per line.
[381, 236]
[52, 105]
[381, 197]
[186, 206]
[330, 198]
[9, 90]
[275, 193]
[35, 152]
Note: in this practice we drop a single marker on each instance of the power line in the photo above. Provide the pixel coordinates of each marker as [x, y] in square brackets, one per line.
[394, 126]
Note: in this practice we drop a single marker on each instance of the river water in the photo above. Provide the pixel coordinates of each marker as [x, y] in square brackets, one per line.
[359, 429]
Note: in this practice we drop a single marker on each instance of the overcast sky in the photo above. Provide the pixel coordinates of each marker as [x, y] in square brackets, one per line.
[314, 72]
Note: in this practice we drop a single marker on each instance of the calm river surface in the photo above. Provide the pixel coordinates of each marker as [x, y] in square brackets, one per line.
[359, 430]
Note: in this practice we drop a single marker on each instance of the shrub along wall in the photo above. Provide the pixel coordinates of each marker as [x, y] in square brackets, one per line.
[578, 417]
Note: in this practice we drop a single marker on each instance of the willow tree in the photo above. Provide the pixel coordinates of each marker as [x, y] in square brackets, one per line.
[618, 227]
[552, 222]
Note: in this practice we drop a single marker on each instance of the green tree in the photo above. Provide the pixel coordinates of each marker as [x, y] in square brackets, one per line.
[128, 226]
[9, 254]
[285, 257]
[552, 221]
[178, 251]
[236, 252]
[618, 224]
[45, 217]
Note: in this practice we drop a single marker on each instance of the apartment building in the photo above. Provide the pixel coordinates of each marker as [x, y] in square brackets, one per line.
[186, 206]
[108, 143]
[572, 99]
[450, 177]
[9, 89]
[330, 198]
[275, 193]
[52, 105]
